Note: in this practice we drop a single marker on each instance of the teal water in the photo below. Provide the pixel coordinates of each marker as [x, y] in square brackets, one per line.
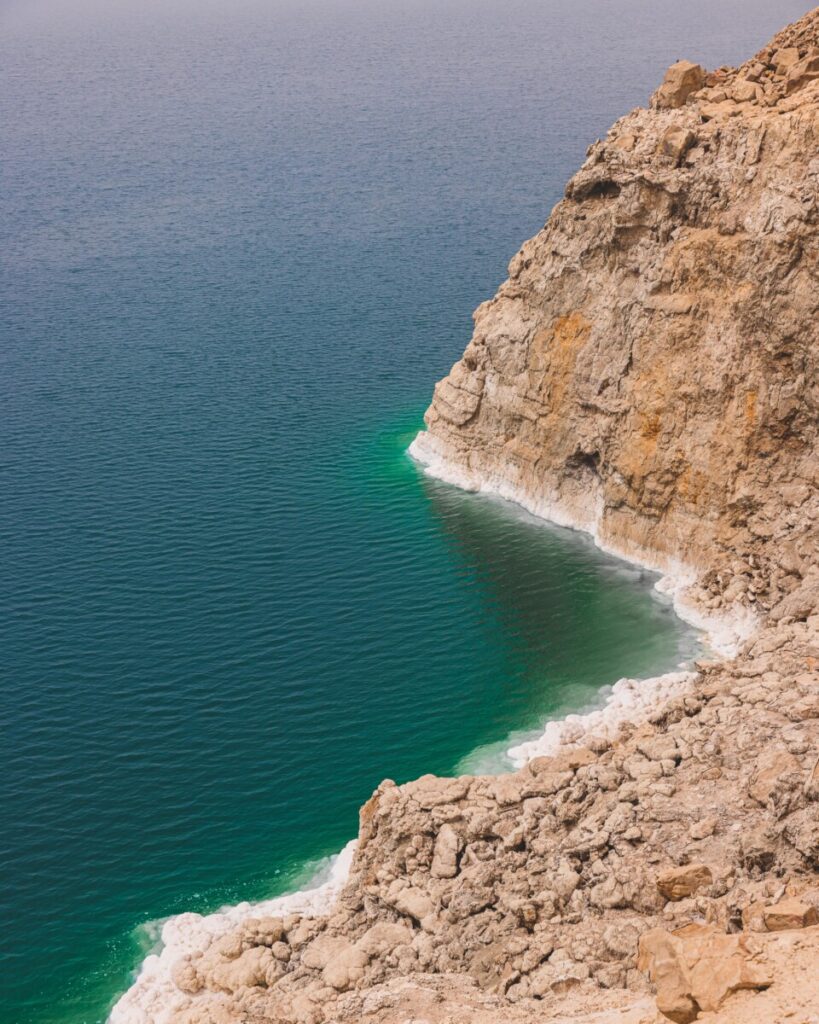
[236, 249]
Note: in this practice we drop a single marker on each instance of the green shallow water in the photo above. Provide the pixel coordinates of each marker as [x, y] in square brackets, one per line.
[237, 247]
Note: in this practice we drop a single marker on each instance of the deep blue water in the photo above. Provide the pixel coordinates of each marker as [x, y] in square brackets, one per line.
[238, 244]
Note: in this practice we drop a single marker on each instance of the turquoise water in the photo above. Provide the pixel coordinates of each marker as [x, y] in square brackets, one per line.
[237, 249]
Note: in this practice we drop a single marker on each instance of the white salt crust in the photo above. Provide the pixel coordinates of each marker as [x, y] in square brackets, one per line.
[725, 630]
[628, 700]
[153, 998]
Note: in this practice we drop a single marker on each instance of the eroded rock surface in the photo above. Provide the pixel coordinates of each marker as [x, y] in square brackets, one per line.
[647, 372]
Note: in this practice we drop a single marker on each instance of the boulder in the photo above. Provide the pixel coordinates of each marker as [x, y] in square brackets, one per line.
[411, 901]
[744, 91]
[800, 75]
[346, 968]
[681, 80]
[783, 60]
[383, 938]
[789, 913]
[245, 971]
[676, 142]
[695, 968]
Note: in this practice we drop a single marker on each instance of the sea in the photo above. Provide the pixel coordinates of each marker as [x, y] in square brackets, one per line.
[239, 242]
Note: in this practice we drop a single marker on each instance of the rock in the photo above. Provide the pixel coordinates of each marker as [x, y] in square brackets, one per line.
[263, 931]
[771, 765]
[783, 60]
[789, 913]
[322, 950]
[803, 73]
[753, 917]
[383, 938]
[185, 976]
[245, 971]
[703, 828]
[696, 968]
[678, 883]
[758, 850]
[620, 940]
[801, 830]
[429, 791]
[565, 881]
[744, 91]
[445, 857]
[411, 901]
[345, 968]
[681, 80]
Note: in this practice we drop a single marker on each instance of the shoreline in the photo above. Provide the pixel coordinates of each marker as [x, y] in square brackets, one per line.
[629, 702]
[153, 998]
[726, 631]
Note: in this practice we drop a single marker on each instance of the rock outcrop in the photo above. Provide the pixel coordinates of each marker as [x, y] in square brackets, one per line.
[647, 373]
[648, 370]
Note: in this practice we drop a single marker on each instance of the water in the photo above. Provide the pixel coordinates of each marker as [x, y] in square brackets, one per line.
[239, 243]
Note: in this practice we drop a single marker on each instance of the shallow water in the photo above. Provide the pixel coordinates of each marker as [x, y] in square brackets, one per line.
[236, 252]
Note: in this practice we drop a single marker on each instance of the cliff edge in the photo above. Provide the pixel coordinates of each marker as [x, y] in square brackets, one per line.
[648, 370]
[647, 373]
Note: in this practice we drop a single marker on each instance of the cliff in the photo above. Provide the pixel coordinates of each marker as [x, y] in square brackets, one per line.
[648, 370]
[647, 373]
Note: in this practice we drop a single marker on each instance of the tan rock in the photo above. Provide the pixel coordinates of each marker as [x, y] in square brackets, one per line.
[744, 91]
[676, 142]
[771, 766]
[704, 828]
[790, 913]
[411, 901]
[678, 883]
[803, 73]
[681, 80]
[696, 968]
[345, 968]
[783, 60]
[445, 857]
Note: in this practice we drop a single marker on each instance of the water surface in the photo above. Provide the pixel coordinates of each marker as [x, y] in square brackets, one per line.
[239, 243]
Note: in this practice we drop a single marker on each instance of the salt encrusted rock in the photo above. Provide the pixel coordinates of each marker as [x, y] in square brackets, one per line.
[445, 857]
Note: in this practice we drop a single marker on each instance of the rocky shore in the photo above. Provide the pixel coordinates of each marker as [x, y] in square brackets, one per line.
[646, 373]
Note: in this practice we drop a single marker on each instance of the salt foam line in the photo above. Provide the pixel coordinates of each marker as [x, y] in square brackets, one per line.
[629, 700]
[154, 998]
[726, 630]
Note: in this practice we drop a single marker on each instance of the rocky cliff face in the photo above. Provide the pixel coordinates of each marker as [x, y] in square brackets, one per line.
[648, 372]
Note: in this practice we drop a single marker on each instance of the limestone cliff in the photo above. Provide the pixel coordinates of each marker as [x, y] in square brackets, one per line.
[647, 372]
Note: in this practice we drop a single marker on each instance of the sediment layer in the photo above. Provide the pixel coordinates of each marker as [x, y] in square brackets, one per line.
[647, 373]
